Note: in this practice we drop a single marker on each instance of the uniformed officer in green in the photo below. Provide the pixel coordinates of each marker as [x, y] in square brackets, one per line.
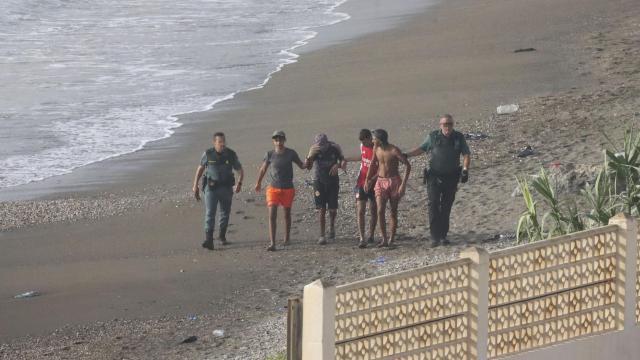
[216, 171]
[443, 174]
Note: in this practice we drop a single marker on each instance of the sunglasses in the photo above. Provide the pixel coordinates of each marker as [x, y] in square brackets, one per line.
[446, 124]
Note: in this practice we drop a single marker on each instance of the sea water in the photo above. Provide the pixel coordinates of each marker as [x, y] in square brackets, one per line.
[87, 80]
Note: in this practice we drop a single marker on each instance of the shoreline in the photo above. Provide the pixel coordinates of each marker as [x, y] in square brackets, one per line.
[92, 178]
[173, 119]
[146, 269]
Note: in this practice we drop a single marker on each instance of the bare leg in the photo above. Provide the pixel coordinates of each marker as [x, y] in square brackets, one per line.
[393, 222]
[373, 209]
[273, 217]
[361, 208]
[382, 205]
[323, 220]
[332, 223]
[287, 224]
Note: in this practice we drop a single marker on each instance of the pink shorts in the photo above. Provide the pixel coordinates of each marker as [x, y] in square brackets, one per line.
[387, 188]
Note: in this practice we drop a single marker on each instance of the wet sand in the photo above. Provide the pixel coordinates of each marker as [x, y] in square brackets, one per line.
[143, 266]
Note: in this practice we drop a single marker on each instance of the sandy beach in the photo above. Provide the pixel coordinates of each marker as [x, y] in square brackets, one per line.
[117, 258]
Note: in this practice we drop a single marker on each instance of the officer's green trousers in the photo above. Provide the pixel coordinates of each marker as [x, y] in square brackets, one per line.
[219, 196]
[441, 192]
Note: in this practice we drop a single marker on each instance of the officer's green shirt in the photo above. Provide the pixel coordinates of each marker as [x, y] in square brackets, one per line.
[445, 151]
[220, 166]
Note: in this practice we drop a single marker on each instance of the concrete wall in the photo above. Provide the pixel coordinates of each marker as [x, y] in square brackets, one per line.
[574, 296]
[619, 345]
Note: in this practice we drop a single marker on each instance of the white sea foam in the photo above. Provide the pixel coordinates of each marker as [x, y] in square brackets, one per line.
[90, 82]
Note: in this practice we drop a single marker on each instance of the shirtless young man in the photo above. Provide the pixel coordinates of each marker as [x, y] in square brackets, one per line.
[388, 186]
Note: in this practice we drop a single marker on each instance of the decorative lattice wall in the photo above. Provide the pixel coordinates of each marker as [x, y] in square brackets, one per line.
[484, 305]
[638, 280]
[553, 291]
[418, 314]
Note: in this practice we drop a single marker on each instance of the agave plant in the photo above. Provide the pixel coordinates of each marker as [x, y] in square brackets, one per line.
[616, 188]
[528, 225]
[624, 167]
[542, 185]
[601, 198]
[573, 219]
[564, 215]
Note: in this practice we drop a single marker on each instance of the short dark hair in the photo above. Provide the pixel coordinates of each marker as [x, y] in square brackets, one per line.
[447, 116]
[218, 134]
[381, 135]
[364, 134]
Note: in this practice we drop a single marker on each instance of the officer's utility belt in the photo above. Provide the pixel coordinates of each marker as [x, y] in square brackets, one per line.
[429, 172]
[214, 184]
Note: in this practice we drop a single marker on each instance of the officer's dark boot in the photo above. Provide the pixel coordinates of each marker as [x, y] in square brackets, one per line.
[435, 238]
[223, 235]
[208, 240]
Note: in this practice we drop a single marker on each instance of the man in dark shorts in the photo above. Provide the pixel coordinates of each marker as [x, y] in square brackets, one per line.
[444, 172]
[216, 171]
[325, 157]
[280, 191]
[389, 187]
[363, 197]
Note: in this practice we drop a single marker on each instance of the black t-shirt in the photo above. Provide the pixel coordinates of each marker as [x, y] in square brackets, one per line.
[323, 160]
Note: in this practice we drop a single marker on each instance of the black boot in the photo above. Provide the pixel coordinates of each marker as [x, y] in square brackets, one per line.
[223, 236]
[208, 240]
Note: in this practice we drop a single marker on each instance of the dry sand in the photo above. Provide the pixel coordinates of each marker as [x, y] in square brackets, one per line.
[130, 281]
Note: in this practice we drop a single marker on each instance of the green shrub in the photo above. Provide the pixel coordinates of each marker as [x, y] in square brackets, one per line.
[615, 189]
[528, 225]
[280, 356]
[624, 169]
[600, 197]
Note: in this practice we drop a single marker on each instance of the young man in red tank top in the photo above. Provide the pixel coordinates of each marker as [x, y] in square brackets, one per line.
[363, 197]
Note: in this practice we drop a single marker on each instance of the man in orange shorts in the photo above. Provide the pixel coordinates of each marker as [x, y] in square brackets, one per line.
[389, 187]
[280, 190]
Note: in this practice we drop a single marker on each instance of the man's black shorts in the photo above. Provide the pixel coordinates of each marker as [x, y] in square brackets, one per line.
[362, 195]
[326, 194]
